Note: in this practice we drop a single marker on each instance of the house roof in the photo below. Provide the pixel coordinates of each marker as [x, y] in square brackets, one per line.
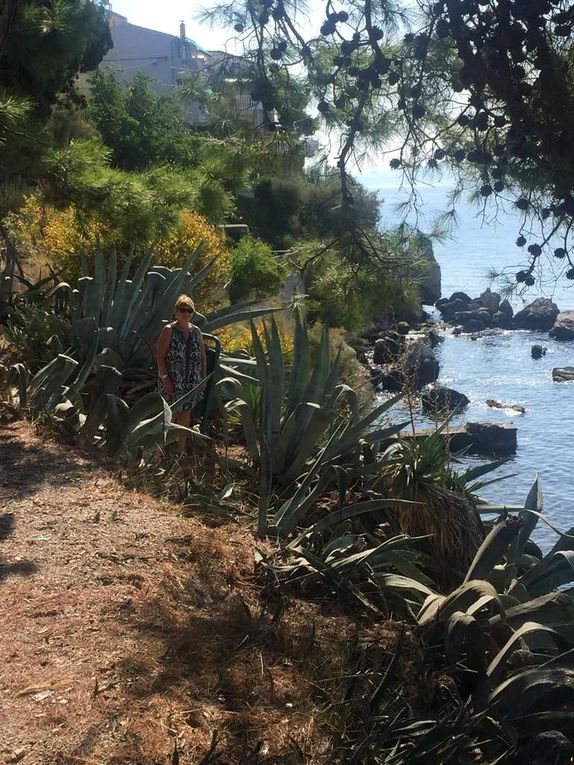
[166, 34]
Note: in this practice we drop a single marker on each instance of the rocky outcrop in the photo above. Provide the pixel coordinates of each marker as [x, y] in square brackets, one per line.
[392, 381]
[487, 438]
[540, 314]
[475, 315]
[499, 405]
[433, 338]
[506, 309]
[388, 348]
[491, 437]
[420, 365]
[563, 374]
[429, 272]
[489, 300]
[563, 328]
[441, 400]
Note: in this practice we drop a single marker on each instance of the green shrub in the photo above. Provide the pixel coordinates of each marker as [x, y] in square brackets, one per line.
[255, 272]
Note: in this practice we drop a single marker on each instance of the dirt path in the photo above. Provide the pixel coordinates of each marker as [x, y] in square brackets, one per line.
[124, 627]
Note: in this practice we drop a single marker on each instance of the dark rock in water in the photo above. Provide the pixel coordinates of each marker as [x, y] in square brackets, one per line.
[488, 438]
[563, 328]
[403, 328]
[491, 437]
[506, 309]
[388, 348]
[440, 302]
[537, 351]
[490, 300]
[474, 325]
[429, 278]
[443, 400]
[541, 314]
[501, 320]
[433, 338]
[457, 331]
[392, 381]
[563, 374]
[421, 365]
[480, 314]
[499, 405]
[375, 373]
[450, 309]
[462, 296]
[372, 333]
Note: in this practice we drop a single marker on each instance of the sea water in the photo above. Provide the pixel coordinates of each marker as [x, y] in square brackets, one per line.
[500, 366]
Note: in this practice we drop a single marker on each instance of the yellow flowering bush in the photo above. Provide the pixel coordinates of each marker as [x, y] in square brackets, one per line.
[191, 231]
[57, 237]
[49, 236]
[237, 337]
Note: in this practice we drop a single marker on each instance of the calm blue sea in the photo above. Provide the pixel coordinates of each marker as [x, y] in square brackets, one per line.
[500, 366]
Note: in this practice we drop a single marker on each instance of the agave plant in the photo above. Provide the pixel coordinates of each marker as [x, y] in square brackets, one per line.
[303, 420]
[506, 637]
[126, 314]
[14, 287]
[109, 421]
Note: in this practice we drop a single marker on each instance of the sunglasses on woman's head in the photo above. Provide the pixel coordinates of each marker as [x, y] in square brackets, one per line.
[184, 309]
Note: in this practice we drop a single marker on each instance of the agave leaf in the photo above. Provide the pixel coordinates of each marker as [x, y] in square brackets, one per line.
[218, 321]
[50, 381]
[18, 377]
[534, 501]
[499, 665]
[276, 381]
[107, 382]
[459, 600]
[530, 689]
[549, 573]
[352, 511]
[117, 424]
[341, 581]
[402, 585]
[493, 549]
[299, 372]
[129, 306]
[553, 610]
[145, 407]
[464, 633]
[339, 546]
[290, 511]
[555, 720]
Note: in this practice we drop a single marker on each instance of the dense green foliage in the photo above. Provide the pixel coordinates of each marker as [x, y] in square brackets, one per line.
[49, 43]
[255, 272]
[138, 126]
[285, 210]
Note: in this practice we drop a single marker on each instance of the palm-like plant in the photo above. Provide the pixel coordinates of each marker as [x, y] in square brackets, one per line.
[439, 507]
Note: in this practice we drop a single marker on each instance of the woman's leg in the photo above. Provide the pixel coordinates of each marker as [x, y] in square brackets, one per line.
[183, 418]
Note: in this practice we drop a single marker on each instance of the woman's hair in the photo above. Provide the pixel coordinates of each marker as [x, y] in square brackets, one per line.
[184, 301]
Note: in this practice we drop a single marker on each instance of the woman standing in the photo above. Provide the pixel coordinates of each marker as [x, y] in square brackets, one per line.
[181, 361]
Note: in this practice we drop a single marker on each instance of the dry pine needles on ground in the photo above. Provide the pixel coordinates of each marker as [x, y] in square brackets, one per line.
[130, 631]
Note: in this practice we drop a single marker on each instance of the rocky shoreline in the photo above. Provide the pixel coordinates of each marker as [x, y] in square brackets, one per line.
[403, 355]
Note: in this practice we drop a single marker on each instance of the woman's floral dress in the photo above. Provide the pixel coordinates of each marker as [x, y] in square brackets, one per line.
[183, 365]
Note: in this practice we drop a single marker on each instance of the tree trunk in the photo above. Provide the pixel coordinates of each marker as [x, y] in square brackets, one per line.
[7, 19]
